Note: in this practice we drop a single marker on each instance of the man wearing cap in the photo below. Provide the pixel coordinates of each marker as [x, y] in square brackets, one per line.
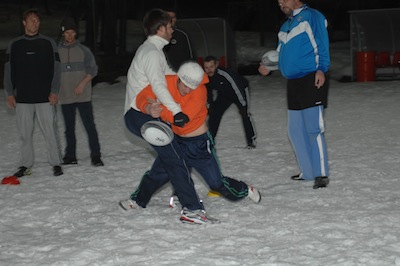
[32, 83]
[78, 68]
[195, 143]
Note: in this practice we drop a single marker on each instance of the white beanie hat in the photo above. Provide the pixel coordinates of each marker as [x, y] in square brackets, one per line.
[191, 74]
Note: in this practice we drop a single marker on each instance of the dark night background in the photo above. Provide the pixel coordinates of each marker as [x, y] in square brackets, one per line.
[106, 20]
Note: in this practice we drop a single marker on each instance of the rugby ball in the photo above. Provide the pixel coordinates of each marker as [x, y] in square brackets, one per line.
[157, 133]
[270, 60]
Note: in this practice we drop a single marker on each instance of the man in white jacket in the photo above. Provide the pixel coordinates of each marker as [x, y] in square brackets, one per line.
[149, 65]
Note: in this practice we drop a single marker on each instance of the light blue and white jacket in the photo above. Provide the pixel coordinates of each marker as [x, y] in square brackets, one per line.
[303, 44]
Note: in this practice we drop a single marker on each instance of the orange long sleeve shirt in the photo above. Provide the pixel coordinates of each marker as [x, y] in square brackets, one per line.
[194, 104]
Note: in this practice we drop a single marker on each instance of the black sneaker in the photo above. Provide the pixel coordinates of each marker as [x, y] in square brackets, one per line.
[96, 161]
[251, 146]
[297, 177]
[57, 170]
[320, 182]
[67, 160]
[23, 171]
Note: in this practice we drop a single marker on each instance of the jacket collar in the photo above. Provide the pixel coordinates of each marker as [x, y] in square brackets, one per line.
[158, 41]
[297, 11]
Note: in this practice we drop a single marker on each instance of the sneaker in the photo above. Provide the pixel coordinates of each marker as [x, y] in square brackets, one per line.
[23, 171]
[67, 160]
[194, 217]
[96, 161]
[128, 204]
[320, 182]
[254, 195]
[251, 146]
[298, 177]
[57, 170]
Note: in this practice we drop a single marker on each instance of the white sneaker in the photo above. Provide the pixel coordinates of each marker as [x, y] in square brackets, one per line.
[254, 195]
[196, 217]
[128, 204]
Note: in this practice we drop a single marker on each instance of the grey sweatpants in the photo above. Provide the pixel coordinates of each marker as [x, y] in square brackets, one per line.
[47, 120]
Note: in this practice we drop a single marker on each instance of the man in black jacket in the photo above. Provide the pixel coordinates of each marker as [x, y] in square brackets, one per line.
[32, 83]
[179, 49]
[231, 88]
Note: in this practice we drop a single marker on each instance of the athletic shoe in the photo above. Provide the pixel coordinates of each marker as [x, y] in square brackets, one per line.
[298, 177]
[96, 161]
[23, 171]
[57, 170]
[128, 204]
[320, 182]
[67, 160]
[251, 146]
[194, 217]
[254, 194]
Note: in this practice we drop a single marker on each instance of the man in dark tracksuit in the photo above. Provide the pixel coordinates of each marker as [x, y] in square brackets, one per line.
[32, 83]
[231, 88]
[179, 49]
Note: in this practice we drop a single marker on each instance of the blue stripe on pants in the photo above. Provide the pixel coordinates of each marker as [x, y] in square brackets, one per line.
[306, 133]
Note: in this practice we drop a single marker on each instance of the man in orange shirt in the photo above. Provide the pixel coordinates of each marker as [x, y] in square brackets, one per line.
[196, 144]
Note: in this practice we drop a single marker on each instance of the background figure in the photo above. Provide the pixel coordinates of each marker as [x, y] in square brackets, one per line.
[78, 68]
[32, 83]
[304, 60]
[231, 88]
[179, 49]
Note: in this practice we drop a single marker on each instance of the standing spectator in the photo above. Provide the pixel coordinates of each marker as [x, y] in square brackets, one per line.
[230, 88]
[179, 49]
[304, 60]
[78, 68]
[149, 67]
[32, 83]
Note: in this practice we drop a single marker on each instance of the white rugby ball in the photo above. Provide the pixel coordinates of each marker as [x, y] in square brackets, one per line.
[157, 133]
[270, 60]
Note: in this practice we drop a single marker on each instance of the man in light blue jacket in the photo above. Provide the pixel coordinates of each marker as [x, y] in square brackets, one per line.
[304, 60]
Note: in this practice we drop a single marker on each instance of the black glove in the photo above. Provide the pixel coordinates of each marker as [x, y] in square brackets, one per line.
[180, 119]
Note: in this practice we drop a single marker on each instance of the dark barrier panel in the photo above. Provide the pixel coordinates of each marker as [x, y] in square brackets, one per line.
[211, 36]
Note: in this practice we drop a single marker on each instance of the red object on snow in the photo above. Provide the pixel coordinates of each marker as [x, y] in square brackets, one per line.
[10, 180]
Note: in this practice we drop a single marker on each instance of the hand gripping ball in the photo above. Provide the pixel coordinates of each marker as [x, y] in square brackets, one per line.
[270, 60]
[157, 133]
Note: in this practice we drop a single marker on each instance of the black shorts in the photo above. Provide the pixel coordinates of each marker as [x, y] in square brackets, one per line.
[302, 93]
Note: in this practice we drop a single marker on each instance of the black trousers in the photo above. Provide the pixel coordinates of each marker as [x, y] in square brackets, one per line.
[217, 110]
[86, 113]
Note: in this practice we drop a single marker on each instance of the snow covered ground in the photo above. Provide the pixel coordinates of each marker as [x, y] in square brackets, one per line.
[74, 219]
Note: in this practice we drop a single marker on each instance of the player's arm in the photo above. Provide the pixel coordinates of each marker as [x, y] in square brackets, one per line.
[155, 73]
